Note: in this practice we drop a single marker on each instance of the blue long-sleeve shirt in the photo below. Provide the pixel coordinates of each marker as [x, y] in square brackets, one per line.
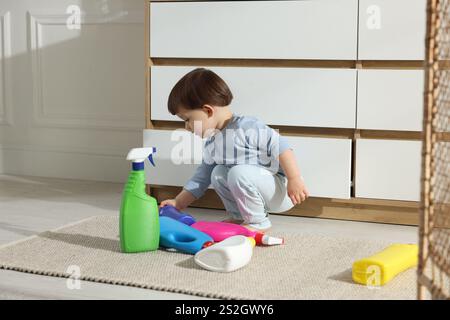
[244, 140]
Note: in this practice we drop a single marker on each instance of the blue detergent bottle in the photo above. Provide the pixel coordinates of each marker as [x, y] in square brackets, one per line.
[177, 235]
[174, 213]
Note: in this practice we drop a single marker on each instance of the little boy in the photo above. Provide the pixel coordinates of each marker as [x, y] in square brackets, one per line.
[250, 166]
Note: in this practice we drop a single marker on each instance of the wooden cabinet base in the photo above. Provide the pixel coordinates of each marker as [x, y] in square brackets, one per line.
[354, 209]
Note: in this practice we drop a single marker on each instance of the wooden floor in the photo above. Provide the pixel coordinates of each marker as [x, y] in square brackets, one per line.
[29, 205]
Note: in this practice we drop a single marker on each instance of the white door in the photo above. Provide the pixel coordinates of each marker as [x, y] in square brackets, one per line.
[71, 87]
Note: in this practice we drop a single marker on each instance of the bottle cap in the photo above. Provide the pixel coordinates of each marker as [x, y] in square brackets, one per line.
[258, 238]
[264, 239]
[138, 156]
[207, 244]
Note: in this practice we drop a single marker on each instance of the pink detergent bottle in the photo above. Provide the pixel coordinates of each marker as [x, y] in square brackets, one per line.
[222, 230]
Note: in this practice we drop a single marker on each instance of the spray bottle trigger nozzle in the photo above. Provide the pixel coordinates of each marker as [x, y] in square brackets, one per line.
[150, 157]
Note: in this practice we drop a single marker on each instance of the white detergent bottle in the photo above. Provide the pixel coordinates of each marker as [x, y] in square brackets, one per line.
[226, 256]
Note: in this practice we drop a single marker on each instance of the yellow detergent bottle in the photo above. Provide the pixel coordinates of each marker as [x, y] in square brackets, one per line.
[380, 268]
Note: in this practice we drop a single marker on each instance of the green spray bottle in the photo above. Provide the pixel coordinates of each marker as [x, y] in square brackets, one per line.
[139, 213]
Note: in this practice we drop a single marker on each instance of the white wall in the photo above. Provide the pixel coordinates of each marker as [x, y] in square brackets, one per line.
[71, 101]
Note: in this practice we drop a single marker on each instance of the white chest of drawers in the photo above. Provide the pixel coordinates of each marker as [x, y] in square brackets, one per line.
[342, 79]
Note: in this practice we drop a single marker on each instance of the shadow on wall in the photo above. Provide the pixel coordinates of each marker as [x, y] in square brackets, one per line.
[72, 87]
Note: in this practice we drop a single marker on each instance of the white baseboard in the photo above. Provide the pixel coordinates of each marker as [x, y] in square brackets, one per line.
[82, 164]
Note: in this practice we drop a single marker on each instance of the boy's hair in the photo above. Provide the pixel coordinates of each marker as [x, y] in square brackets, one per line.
[197, 88]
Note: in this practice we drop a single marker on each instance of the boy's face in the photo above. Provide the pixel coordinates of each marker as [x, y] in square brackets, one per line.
[198, 121]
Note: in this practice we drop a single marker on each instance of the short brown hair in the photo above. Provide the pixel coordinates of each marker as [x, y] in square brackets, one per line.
[197, 88]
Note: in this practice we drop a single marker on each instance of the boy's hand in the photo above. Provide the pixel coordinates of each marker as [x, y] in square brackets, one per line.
[171, 202]
[181, 201]
[296, 190]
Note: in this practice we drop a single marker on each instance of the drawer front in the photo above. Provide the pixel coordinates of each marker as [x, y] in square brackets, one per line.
[325, 163]
[308, 29]
[388, 169]
[278, 96]
[392, 29]
[390, 99]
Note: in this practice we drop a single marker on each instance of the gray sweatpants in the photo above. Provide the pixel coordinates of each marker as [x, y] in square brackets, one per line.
[250, 192]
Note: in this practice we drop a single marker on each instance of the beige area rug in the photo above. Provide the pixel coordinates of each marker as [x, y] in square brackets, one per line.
[306, 267]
